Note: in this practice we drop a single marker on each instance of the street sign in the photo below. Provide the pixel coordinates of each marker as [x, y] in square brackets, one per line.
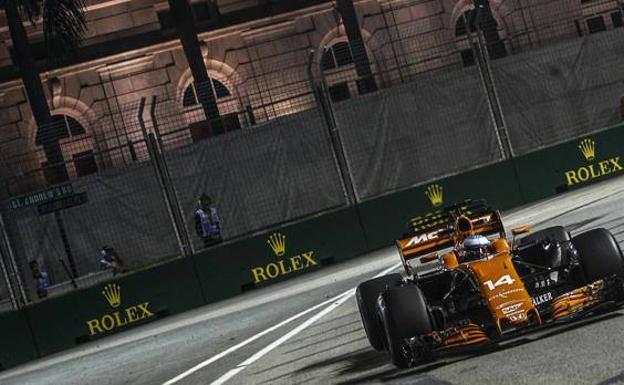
[62, 203]
[41, 197]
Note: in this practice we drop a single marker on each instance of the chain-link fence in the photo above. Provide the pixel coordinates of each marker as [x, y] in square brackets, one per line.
[285, 139]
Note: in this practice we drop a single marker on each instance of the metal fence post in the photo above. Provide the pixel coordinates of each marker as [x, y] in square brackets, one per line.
[152, 148]
[323, 100]
[173, 195]
[10, 270]
[480, 52]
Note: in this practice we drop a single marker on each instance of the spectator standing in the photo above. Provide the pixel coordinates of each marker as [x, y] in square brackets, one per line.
[207, 222]
[42, 281]
[109, 260]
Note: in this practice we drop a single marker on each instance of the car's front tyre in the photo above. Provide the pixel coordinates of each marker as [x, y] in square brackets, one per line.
[404, 314]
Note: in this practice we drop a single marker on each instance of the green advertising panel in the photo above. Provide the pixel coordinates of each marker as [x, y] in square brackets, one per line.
[590, 159]
[386, 218]
[84, 315]
[280, 254]
[17, 344]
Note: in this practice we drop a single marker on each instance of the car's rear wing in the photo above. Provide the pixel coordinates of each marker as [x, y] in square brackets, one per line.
[437, 231]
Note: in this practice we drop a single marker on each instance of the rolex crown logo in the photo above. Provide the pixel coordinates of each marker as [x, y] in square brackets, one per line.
[112, 293]
[588, 149]
[277, 242]
[434, 193]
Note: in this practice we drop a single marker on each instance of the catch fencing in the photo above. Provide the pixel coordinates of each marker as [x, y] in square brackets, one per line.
[322, 132]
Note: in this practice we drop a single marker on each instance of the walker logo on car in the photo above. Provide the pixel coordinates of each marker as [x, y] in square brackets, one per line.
[592, 171]
[117, 319]
[540, 299]
[283, 266]
[422, 238]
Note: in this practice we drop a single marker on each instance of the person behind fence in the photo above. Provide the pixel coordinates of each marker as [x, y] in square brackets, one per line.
[207, 222]
[110, 260]
[42, 281]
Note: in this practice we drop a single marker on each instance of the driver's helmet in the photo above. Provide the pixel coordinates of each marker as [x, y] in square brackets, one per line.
[475, 247]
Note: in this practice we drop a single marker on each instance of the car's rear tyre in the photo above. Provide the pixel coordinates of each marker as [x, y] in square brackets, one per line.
[366, 295]
[555, 233]
[404, 314]
[599, 253]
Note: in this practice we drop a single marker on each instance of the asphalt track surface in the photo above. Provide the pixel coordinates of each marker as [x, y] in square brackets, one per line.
[254, 339]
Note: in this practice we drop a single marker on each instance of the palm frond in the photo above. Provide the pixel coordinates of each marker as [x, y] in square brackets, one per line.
[63, 26]
[31, 9]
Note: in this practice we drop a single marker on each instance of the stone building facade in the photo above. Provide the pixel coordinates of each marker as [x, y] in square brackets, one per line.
[257, 53]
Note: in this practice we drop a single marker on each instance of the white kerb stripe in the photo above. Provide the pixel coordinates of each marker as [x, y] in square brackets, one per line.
[239, 368]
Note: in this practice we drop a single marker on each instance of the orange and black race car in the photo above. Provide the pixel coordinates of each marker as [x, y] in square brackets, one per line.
[466, 285]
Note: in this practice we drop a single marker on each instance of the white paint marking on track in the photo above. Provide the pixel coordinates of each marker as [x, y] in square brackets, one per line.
[249, 340]
[253, 338]
[240, 367]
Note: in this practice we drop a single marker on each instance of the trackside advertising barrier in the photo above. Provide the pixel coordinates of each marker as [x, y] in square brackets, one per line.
[291, 250]
[84, 315]
[386, 218]
[571, 165]
[281, 254]
[16, 342]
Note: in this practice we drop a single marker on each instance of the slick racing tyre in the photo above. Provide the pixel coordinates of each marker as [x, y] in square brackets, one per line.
[366, 294]
[599, 253]
[555, 233]
[404, 314]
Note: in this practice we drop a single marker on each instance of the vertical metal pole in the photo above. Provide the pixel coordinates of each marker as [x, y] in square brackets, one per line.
[7, 279]
[68, 253]
[481, 58]
[13, 269]
[325, 104]
[152, 148]
[173, 195]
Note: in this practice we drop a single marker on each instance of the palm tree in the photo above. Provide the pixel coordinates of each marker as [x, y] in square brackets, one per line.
[63, 27]
[184, 21]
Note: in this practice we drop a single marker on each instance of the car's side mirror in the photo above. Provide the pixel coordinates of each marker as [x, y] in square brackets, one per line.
[521, 230]
[518, 231]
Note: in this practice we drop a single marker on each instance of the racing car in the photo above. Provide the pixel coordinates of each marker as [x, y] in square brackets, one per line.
[467, 285]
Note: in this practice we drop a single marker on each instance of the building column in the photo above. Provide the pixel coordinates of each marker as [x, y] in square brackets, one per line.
[366, 81]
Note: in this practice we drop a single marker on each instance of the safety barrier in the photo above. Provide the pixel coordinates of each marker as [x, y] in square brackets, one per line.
[17, 344]
[282, 253]
[63, 322]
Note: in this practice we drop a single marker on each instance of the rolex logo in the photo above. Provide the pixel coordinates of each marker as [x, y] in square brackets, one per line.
[588, 148]
[434, 193]
[112, 293]
[277, 242]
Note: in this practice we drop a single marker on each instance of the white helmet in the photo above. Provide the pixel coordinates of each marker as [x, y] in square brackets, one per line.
[475, 247]
[475, 242]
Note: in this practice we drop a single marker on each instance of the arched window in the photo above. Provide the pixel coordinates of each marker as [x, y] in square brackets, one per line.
[491, 33]
[337, 55]
[62, 127]
[77, 150]
[460, 25]
[189, 98]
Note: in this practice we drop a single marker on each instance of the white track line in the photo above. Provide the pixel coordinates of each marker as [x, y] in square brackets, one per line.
[240, 367]
[234, 348]
[249, 340]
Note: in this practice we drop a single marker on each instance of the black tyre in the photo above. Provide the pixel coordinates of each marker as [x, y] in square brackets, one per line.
[555, 233]
[404, 314]
[367, 294]
[599, 253]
